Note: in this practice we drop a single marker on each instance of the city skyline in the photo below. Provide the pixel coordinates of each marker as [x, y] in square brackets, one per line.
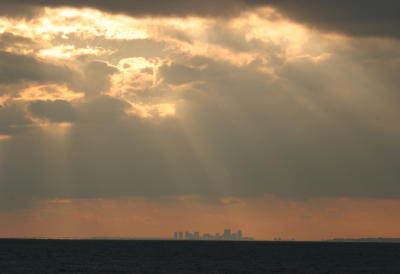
[197, 236]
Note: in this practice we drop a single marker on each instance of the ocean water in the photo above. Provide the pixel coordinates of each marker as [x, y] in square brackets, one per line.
[111, 256]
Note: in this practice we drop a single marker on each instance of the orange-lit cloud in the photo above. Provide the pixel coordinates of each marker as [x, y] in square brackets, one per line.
[49, 92]
[69, 51]
[4, 137]
[135, 74]
[85, 23]
[198, 32]
[4, 99]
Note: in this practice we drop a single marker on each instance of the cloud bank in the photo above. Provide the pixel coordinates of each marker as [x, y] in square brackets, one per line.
[114, 106]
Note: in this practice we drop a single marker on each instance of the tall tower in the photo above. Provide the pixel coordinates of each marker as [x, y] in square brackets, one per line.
[175, 235]
[227, 234]
[240, 235]
[180, 235]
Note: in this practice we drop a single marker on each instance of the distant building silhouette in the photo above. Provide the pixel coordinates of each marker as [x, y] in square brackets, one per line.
[226, 236]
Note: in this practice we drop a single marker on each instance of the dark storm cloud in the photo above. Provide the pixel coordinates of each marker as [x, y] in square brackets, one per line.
[357, 17]
[16, 68]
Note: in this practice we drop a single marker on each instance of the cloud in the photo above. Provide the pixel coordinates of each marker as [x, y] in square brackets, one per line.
[8, 39]
[148, 8]
[55, 111]
[15, 68]
[18, 10]
[355, 18]
[102, 109]
[249, 112]
[240, 134]
[19, 69]
[13, 118]
[97, 77]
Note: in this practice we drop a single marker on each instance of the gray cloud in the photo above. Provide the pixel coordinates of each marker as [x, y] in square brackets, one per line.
[16, 68]
[19, 10]
[92, 80]
[8, 39]
[326, 128]
[359, 17]
[239, 134]
[102, 110]
[13, 118]
[55, 111]
[96, 77]
[333, 150]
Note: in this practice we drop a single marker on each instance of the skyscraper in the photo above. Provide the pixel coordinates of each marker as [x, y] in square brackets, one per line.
[239, 234]
[188, 236]
[227, 234]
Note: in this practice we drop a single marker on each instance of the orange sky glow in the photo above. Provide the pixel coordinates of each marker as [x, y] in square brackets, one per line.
[263, 218]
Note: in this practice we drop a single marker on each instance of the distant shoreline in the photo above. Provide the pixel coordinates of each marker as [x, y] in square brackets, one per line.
[366, 240]
[336, 240]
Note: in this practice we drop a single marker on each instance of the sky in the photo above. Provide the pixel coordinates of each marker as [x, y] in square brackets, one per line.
[141, 118]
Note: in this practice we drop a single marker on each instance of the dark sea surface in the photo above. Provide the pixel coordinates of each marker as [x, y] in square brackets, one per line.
[112, 256]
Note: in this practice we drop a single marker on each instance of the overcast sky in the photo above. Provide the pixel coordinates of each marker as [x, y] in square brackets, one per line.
[287, 107]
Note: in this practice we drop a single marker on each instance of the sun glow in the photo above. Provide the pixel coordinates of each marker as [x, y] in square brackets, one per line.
[135, 74]
[83, 22]
[68, 51]
[152, 111]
